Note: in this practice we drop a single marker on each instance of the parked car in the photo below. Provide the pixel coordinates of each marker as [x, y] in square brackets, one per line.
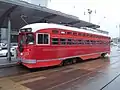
[3, 45]
[4, 51]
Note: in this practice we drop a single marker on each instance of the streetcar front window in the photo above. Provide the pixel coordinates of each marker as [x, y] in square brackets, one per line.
[26, 39]
[30, 38]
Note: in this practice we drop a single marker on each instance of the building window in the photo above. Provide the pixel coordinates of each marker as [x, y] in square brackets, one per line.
[14, 38]
[55, 41]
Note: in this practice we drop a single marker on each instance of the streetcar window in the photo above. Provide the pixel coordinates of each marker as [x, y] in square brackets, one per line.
[30, 38]
[62, 32]
[93, 42]
[83, 42]
[43, 39]
[79, 34]
[69, 41]
[100, 42]
[74, 41]
[55, 31]
[26, 30]
[63, 41]
[92, 35]
[83, 34]
[86, 41]
[69, 33]
[90, 42]
[74, 33]
[40, 38]
[87, 35]
[79, 41]
[55, 41]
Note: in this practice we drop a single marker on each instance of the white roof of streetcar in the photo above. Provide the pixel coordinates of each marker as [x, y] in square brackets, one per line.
[38, 26]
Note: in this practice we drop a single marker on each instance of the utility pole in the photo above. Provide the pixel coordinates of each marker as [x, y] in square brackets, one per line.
[119, 31]
[89, 12]
[119, 34]
[9, 39]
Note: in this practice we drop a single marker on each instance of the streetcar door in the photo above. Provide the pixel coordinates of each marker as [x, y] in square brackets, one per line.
[21, 41]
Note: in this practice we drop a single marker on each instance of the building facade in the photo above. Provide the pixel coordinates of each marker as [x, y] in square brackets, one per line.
[14, 33]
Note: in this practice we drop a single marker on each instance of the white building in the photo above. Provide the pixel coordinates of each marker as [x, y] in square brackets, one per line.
[38, 2]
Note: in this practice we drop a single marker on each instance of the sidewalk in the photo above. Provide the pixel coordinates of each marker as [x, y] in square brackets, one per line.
[5, 63]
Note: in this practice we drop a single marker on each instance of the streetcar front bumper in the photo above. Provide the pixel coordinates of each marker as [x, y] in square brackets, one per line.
[27, 61]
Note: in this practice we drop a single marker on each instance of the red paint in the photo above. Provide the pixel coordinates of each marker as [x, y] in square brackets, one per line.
[50, 55]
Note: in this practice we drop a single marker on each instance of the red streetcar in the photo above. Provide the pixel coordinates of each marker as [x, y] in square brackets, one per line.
[47, 44]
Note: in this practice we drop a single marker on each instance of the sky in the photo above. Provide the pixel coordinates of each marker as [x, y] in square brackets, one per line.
[105, 13]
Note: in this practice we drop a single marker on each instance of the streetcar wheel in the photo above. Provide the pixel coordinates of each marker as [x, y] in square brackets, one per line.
[103, 55]
[74, 61]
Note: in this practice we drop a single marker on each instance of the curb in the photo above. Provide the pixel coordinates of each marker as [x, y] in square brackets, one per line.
[6, 65]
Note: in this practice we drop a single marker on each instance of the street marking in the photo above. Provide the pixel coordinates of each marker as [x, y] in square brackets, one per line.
[68, 81]
[7, 84]
[74, 79]
[69, 70]
[32, 80]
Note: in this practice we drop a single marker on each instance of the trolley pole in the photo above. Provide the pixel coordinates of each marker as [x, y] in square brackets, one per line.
[9, 39]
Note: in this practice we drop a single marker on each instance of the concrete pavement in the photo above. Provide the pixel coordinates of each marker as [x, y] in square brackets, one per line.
[5, 63]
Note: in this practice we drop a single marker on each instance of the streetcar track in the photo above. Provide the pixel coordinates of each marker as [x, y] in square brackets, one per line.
[77, 78]
[58, 70]
[51, 72]
[74, 79]
[36, 74]
[110, 82]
